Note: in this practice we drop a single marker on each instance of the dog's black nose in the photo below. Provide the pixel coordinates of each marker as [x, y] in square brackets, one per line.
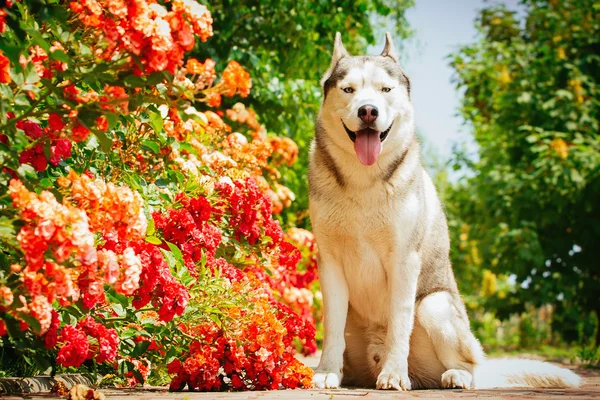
[368, 113]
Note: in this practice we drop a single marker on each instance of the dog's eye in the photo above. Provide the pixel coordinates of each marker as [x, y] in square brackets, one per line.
[386, 89]
[348, 90]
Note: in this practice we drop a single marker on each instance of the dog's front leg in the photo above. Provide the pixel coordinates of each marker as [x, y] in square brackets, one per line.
[402, 286]
[335, 310]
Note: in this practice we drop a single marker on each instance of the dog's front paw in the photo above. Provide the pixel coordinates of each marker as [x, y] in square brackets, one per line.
[457, 379]
[327, 380]
[392, 380]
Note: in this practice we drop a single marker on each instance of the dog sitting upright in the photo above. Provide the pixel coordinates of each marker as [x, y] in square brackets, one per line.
[393, 316]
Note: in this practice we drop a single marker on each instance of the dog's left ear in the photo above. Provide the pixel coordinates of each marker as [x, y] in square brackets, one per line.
[389, 50]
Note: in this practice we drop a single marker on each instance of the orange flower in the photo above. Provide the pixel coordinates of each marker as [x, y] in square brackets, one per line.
[236, 80]
[6, 296]
[199, 16]
[4, 69]
[109, 207]
[115, 99]
[42, 311]
[194, 66]
[214, 99]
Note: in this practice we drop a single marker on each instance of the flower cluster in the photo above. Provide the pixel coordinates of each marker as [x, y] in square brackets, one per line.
[59, 148]
[156, 283]
[88, 340]
[188, 227]
[110, 208]
[158, 36]
[254, 353]
[210, 285]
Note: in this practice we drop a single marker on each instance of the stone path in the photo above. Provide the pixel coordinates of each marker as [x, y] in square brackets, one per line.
[589, 390]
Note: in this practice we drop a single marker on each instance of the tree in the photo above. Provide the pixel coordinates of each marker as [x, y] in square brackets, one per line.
[529, 205]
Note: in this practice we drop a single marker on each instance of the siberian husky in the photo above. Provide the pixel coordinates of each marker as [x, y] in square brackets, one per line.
[393, 316]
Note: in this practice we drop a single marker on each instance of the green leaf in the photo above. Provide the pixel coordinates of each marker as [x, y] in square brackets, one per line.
[115, 297]
[36, 36]
[104, 140]
[153, 146]
[215, 319]
[176, 252]
[46, 183]
[26, 171]
[156, 121]
[134, 81]
[171, 355]
[139, 349]
[31, 75]
[6, 92]
[153, 240]
[150, 229]
[22, 100]
[60, 55]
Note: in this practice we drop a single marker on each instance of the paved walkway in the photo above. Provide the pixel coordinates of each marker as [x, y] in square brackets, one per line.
[590, 389]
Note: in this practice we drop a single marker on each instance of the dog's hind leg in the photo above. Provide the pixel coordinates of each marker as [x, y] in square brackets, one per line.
[445, 320]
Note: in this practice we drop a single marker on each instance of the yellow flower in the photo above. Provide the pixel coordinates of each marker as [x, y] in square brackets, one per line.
[504, 76]
[489, 283]
[561, 53]
[561, 147]
[575, 85]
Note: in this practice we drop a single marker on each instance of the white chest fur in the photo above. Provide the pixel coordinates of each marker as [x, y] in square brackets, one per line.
[365, 231]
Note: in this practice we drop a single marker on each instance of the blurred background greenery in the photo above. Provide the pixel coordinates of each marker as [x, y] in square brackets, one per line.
[523, 202]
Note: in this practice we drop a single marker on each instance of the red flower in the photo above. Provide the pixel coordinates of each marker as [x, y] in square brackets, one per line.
[4, 62]
[174, 366]
[51, 337]
[236, 382]
[34, 156]
[55, 122]
[107, 338]
[101, 124]
[60, 151]
[79, 132]
[72, 92]
[33, 130]
[74, 349]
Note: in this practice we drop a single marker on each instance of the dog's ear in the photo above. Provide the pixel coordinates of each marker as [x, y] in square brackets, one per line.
[339, 51]
[389, 50]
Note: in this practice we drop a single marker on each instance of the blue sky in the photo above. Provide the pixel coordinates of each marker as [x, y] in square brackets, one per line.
[440, 28]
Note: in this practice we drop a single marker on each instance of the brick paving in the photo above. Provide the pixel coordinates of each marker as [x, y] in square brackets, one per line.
[590, 389]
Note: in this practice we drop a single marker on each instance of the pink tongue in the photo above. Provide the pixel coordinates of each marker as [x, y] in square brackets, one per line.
[367, 146]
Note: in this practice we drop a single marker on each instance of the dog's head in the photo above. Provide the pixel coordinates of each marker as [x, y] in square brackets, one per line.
[366, 100]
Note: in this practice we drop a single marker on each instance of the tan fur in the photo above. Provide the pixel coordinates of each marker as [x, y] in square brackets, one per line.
[393, 315]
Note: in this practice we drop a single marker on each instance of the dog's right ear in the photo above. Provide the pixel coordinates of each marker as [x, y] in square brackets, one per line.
[339, 51]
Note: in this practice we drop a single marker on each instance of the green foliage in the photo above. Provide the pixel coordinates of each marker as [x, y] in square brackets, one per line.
[529, 204]
[286, 46]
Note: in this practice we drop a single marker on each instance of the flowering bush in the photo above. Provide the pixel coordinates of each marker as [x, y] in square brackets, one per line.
[137, 225]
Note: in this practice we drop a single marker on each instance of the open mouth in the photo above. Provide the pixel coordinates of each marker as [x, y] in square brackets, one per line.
[367, 143]
[382, 135]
